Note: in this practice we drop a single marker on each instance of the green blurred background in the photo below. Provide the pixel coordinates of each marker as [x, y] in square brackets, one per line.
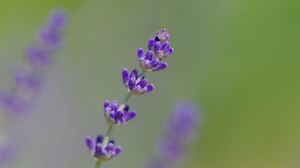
[238, 59]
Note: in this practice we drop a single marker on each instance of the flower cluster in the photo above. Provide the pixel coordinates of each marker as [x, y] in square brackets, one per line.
[102, 151]
[136, 84]
[28, 82]
[180, 129]
[116, 114]
[159, 48]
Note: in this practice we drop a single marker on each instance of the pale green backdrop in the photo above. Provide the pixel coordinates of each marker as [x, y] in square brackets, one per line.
[237, 59]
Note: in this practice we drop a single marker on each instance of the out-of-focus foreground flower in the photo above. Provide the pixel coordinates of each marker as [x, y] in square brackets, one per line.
[28, 82]
[180, 129]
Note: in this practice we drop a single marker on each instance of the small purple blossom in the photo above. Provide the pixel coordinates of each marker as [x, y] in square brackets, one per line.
[51, 34]
[159, 48]
[117, 114]
[28, 85]
[14, 104]
[157, 163]
[57, 20]
[136, 84]
[101, 151]
[38, 57]
[183, 122]
[180, 128]
[5, 154]
[169, 149]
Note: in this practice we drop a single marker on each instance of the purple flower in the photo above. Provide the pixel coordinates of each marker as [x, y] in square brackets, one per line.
[5, 154]
[159, 48]
[117, 114]
[180, 128]
[38, 57]
[183, 122]
[102, 151]
[14, 104]
[51, 33]
[28, 85]
[19, 99]
[157, 163]
[169, 149]
[136, 84]
[57, 20]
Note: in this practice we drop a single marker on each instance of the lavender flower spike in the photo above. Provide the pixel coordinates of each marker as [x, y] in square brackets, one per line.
[28, 85]
[101, 151]
[14, 104]
[117, 114]
[135, 84]
[51, 34]
[5, 154]
[159, 48]
[180, 129]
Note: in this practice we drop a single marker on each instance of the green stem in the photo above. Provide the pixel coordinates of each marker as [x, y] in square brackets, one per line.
[107, 135]
[98, 164]
[143, 73]
[126, 98]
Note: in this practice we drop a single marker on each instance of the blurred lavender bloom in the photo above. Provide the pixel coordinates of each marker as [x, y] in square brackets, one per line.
[134, 83]
[101, 151]
[51, 33]
[180, 129]
[169, 149]
[117, 114]
[5, 154]
[183, 122]
[29, 85]
[157, 163]
[159, 48]
[57, 20]
[38, 57]
[14, 104]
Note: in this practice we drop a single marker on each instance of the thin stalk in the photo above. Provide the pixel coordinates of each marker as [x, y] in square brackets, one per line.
[111, 127]
[98, 164]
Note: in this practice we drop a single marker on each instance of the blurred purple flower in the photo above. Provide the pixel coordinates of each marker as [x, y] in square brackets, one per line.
[101, 151]
[159, 48]
[169, 149]
[183, 122]
[51, 33]
[157, 163]
[14, 104]
[136, 84]
[5, 154]
[117, 114]
[180, 129]
[38, 57]
[29, 85]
